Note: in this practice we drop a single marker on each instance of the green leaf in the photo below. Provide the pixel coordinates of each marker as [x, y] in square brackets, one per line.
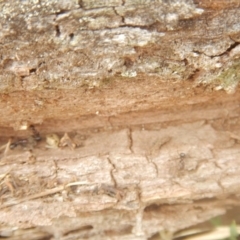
[233, 231]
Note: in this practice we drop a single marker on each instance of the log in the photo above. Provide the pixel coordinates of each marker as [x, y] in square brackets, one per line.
[120, 119]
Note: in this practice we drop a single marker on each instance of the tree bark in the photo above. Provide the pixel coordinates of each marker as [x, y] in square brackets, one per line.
[120, 119]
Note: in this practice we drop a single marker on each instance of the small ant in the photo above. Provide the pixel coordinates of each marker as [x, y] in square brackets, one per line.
[110, 191]
[21, 142]
[36, 134]
[31, 140]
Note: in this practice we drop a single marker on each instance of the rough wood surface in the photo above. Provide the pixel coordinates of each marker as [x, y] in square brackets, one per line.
[105, 50]
[152, 141]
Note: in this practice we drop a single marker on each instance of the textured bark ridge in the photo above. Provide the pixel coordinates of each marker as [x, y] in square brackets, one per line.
[139, 185]
[170, 40]
[142, 53]
[113, 123]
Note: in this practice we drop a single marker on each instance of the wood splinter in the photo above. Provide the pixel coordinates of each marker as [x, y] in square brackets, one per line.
[41, 194]
[6, 147]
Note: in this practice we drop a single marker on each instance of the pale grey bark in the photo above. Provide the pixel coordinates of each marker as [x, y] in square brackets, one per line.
[68, 44]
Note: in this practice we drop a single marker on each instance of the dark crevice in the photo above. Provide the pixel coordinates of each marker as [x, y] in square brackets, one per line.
[122, 17]
[232, 46]
[128, 62]
[130, 140]
[41, 63]
[61, 12]
[78, 230]
[227, 51]
[58, 33]
[152, 208]
[71, 36]
[111, 172]
[185, 61]
[197, 52]
[49, 237]
[80, 3]
[120, 26]
[154, 164]
[193, 75]
[33, 70]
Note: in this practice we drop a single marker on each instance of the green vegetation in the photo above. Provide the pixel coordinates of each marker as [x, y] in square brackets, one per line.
[229, 78]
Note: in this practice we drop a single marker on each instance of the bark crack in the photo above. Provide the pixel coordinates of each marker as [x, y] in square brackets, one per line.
[56, 168]
[230, 48]
[130, 139]
[153, 163]
[226, 52]
[122, 17]
[112, 170]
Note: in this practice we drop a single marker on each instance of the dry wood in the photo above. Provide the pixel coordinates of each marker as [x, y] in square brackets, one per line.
[142, 98]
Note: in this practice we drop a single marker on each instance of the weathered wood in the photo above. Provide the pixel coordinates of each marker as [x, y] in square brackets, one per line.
[150, 168]
[135, 85]
[101, 48]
